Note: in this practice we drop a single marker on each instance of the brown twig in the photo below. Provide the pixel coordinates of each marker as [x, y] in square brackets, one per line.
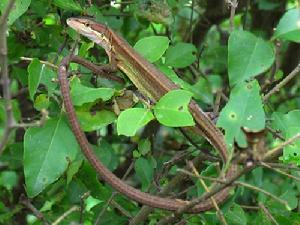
[280, 172]
[26, 202]
[267, 213]
[219, 212]
[233, 5]
[5, 77]
[282, 83]
[65, 214]
[171, 219]
[275, 152]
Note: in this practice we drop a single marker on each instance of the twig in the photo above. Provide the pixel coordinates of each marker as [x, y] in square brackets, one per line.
[219, 212]
[41, 61]
[275, 152]
[233, 5]
[282, 83]
[109, 201]
[64, 215]
[26, 202]
[267, 213]
[283, 166]
[82, 199]
[178, 213]
[241, 184]
[5, 77]
[279, 171]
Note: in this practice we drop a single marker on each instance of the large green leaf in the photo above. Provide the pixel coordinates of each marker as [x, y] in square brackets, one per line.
[68, 5]
[181, 55]
[19, 8]
[82, 94]
[152, 48]
[131, 120]
[144, 169]
[172, 109]
[236, 215]
[48, 150]
[40, 73]
[244, 109]
[248, 56]
[288, 27]
[94, 121]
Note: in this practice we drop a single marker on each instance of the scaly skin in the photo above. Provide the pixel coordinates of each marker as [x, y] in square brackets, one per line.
[153, 84]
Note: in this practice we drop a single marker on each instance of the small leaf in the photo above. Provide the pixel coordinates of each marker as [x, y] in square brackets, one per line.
[248, 56]
[81, 94]
[131, 120]
[94, 121]
[40, 73]
[107, 155]
[67, 5]
[144, 146]
[181, 55]
[144, 170]
[19, 8]
[152, 48]
[288, 27]
[236, 215]
[47, 154]
[172, 109]
[244, 109]
[8, 179]
[41, 102]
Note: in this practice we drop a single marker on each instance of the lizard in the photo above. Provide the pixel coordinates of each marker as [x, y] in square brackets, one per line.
[154, 84]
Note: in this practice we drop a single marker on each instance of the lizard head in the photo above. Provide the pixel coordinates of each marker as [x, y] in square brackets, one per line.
[96, 32]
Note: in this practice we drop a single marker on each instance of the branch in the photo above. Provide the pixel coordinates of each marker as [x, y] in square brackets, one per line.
[5, 78]
[282, 83]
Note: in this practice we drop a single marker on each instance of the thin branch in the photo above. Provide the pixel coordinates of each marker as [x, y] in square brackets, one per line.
[26, 202]
[233, 5]
[5, 77]
[64, 215]
[275, 152]
[173, 217]
[241, 184]
[41, 61]
[219, 212]
[267, 213]
[282, 83]
[280, 171]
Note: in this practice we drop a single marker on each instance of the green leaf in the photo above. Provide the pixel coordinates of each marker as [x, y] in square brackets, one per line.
[236, 215]
[172, 109]
[144, 169]
[91, 202]
[8, 179]
[288, 27]
[244, 109]
[19, 8]
[47, 152]
[67, 5]
[107, 155]
[94, 121]
[40, 73]
[81, 94]
[41, 102]
[144, 146]
[152, 48]
[181, 55]
[248, 56]
[131, 120]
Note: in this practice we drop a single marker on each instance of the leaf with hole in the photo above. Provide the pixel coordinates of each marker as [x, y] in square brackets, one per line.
[172, 109]
[244, 109]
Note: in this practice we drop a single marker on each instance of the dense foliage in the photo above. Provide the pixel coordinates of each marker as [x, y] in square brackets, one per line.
[237, 59]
